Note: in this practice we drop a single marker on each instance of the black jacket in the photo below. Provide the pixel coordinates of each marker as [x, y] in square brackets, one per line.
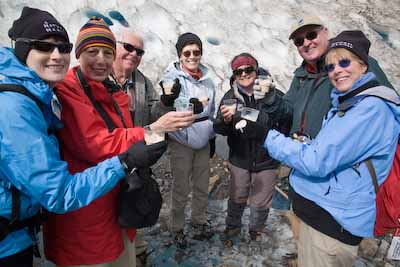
[246, 149]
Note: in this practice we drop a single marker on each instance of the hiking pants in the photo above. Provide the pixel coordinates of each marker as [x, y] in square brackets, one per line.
[191, 172]
[254, 188]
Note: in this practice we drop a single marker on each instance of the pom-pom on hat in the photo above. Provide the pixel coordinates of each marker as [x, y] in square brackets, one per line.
[94, 33]
[34, 24]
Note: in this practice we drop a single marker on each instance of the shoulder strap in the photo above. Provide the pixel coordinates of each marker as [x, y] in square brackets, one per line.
[362, 88]
[372, 173]
[22, 90]
[106, 118]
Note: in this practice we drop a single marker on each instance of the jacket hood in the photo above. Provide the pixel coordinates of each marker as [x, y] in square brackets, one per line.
[12, 71]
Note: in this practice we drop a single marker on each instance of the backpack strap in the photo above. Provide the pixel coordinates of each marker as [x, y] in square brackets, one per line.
[22, 90]
[372, 173]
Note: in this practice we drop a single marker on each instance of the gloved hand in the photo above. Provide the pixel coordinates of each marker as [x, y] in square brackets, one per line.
[262, 86]
[197, 105]
[140, 155]
[168, 100]
[212, 147]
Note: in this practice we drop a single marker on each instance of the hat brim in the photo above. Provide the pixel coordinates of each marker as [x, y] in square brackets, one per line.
[301, 27]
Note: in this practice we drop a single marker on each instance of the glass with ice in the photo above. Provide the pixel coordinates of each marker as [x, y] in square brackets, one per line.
[152, 136]
[249, 114]
[183, 106]
[230, 104]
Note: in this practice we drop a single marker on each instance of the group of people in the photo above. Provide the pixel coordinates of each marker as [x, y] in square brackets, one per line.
[83, 132]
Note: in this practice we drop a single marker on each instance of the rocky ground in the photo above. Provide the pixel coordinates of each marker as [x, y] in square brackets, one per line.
[276, 248]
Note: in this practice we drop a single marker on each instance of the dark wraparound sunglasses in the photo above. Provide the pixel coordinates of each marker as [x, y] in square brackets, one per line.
[195, 53]
[130, 48]
[343, 63]
[247, 70]
[299, 41]
[43, 46]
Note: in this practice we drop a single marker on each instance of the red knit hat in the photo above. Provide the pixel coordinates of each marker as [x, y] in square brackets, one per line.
[94, 33]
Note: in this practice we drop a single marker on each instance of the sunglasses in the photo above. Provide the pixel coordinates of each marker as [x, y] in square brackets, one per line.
[195, 53]
[43, 46]
[299, 41]
[130, 48]
[343, 63]
[247, 70]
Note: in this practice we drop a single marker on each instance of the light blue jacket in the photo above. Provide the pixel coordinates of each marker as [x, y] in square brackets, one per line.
[331, 171]
[30, 158]
[198, 134]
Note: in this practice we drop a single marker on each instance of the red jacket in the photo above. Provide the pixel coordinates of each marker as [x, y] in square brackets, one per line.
[90, 235]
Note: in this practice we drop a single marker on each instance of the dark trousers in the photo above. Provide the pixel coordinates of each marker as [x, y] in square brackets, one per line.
[21, 259]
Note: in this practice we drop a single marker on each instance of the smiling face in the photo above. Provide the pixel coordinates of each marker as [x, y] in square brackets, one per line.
[341, 77]
[52, 66]
[192, 61]
[125, 60]
[96, 62]
[312, 50]
[246, 80]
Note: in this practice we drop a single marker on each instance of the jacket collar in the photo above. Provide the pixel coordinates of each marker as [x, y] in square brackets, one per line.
[12, 71]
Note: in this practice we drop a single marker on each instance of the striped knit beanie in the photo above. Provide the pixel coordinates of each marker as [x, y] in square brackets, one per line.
[94, 33]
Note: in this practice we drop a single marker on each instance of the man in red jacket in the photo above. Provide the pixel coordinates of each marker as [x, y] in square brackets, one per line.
[92, 235]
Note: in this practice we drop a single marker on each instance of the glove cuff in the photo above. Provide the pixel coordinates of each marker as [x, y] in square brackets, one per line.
[122, 159]
[167, 101]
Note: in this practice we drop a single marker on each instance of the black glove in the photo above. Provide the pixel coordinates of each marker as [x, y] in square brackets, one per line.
[212, 147]
[168, 100]
[197, 105]
[135, 180]
[140, 155]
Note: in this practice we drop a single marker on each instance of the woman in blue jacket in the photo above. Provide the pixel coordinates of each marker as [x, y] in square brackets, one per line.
[329, 174]
[32, 175]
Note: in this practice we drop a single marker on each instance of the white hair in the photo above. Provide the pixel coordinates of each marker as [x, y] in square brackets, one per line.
[119, 31]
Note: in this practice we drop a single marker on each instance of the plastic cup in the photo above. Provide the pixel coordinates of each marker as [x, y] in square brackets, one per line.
[230, 104]
[167, 86]
[151, 136]
[183, 107]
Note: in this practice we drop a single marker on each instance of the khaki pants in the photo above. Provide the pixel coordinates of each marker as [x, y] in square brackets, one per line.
[126, 259]
[316, 249]
[140, 243]
[191, 172]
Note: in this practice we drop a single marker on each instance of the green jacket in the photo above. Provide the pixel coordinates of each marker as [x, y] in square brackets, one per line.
[310, 92]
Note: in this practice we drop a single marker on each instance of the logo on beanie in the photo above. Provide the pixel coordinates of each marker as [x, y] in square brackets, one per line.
[342, 44]
[52, 27]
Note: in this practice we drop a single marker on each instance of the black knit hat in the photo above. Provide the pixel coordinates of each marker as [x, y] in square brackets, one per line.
[354, 41]
[187, 39]
[34, 24]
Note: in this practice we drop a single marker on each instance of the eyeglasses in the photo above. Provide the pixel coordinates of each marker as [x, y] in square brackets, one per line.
[195, 53]
[43, 46]
[299, 41]
[247, 70]
[343, 63]
[130, 48]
